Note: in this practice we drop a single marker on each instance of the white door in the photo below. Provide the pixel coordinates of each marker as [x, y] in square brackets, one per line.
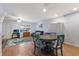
[56, 27]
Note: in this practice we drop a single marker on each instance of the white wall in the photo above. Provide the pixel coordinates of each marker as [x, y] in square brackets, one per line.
[0, 30]
[7, 29]
[0, 38]
[71, 28]
[1, 20]
[46, 25]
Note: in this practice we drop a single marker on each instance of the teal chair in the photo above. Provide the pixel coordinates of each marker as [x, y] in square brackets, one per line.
[50, 33]
[58, 44]
[38, 44]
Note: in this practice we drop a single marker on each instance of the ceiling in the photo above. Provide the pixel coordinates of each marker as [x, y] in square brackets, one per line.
[33, 11]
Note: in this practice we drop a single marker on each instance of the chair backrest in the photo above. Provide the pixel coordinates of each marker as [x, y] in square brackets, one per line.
[37, 41]
[60, 39]
[40, 32]
[33, 34]
[35, 37]
[50, 33]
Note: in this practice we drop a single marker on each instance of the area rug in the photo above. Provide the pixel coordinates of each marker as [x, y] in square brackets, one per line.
[17, 41]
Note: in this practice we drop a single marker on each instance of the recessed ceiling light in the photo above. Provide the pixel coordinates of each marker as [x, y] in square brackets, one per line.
[75, 9]
[19, 20]
[56, 15]
[44, 10]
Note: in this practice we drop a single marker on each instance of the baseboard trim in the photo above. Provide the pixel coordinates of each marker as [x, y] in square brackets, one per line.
[71, 44]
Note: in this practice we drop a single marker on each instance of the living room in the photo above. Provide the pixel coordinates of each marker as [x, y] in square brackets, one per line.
[39, 17]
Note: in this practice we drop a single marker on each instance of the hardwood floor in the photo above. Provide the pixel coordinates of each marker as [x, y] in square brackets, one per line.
[26, 49]
[69, 50]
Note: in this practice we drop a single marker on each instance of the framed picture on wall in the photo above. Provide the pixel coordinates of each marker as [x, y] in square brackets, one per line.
[41, 25]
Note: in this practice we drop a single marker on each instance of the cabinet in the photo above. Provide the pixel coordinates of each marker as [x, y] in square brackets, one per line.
[26, 34]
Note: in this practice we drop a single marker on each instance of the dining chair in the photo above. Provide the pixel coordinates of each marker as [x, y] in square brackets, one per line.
[58, 44]
[38, 44]
[50, 33]
[40, 32]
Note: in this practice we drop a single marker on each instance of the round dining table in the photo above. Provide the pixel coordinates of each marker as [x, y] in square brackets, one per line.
[48, 39]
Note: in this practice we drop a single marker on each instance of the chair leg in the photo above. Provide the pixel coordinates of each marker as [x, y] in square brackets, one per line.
[61, 52]
[56, 52]
[34, 50]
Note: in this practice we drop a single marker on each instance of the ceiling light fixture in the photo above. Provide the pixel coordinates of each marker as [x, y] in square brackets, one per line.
[19, 19]
[56, 15]
[44, 10]
[75, 9]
